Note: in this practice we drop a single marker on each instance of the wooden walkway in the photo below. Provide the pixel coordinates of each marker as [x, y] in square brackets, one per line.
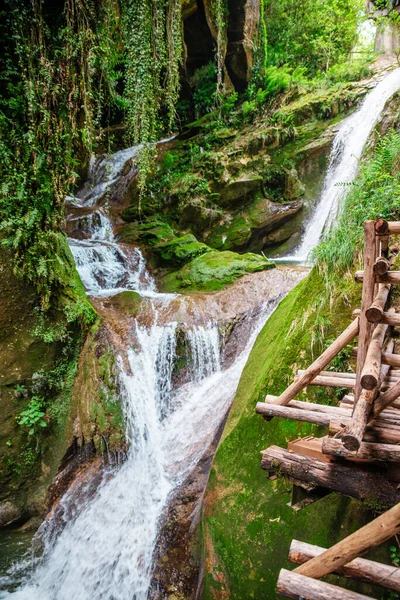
[360, 455]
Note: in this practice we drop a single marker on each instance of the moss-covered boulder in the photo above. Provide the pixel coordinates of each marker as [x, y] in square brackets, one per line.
[181, 250]
[239, 191]
[250, 227]
[213, 271]
[151, 232]
[127, 301]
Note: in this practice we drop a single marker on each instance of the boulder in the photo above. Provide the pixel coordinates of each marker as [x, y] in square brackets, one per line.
[181, 250]
[240, 190]
[214, 270]
[151, 232]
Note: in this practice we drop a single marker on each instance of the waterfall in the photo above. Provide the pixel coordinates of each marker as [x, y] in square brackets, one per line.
[105, 549]
[346, 152]
[204, 351]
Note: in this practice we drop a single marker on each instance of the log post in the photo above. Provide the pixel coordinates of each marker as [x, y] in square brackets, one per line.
[367, 571]
[319, 364]
[375, 311]
[366, 301]
[385, 400]
[292, 585]
[361, 541]
[384, 228]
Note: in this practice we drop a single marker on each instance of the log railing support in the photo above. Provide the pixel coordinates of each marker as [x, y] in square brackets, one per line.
[375, 312]
[292, 585]
[361, 541]
[367, 571]
[368, 451]
[319, 364]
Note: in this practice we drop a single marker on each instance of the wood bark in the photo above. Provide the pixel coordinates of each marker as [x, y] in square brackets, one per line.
[374, 313]
[383, 227]
[297, 414]
[368, 451]
[367, 298]
[381, 266]
[385, 400]
[361, 541]
[346, 478]
[367, 571]
[292, 585]
[371, 372]
[381, 432]
[318, 365]
[390, 277]
[388, 359]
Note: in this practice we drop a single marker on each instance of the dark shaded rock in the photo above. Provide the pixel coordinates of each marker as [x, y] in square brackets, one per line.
[239, 190]
[9, 513]
[199, 217]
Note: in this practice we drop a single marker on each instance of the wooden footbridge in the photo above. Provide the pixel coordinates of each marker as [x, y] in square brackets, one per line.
[360, 456]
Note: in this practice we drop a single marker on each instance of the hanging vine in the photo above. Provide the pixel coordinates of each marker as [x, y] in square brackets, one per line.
[153, 47]
[50, 105]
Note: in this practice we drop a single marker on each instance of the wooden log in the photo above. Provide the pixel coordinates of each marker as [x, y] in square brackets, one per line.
[346, 478]
[373, 433]
[385, 400]
[361, 541]
[392, 377]
[346, 382]
[374, 312]
[292, 585]
[297, 414]
[388, 359]
[368, 451]
[319, 364]
[365, 327]
[355, 430]
[371, 371]
[383, 227]
[367, 571]
[381, 266]
[325, 408]
[390, 277]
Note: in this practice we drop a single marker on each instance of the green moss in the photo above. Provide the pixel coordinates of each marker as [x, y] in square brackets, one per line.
[182, 250]
[151, 232]
[127, 301]
[247, 524]
[214, 270]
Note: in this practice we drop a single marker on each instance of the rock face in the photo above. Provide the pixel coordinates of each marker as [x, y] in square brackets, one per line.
[200, 35]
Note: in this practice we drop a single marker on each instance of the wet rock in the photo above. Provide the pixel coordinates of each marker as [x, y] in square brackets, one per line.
[9, 513]
[198, 216]
[127, 301]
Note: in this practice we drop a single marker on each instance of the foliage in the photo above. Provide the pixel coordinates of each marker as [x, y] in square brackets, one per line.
[204, 84]
[52, 87]
[32, 417]
[374, 194]
[153, 47]
[312, 34]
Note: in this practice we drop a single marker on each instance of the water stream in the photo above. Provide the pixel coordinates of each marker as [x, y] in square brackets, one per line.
[347, 148]
[105, 546]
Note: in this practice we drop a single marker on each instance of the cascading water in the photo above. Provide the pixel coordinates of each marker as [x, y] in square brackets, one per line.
[105, 548]
[346, 152]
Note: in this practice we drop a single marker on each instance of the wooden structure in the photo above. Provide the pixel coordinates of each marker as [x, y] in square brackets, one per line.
[360, 454]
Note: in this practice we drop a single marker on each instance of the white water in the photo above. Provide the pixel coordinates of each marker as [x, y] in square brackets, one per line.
[346, 152]
[105, 551]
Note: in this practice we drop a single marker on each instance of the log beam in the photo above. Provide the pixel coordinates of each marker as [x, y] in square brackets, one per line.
[371, 373]
[292, 585]
[388, 359]
[383, 227]
[367, 571]
[356, 481]
[381, 266]
[368, 451]
[390, 277]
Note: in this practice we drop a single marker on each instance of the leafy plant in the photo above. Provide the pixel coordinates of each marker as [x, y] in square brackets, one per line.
[32, 417]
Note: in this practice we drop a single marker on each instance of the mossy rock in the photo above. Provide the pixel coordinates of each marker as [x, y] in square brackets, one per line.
[182, 250]
[151, 232]
[214, 270]
[127, 301]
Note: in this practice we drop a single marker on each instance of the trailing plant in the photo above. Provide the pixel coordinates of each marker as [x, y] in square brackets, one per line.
[153, 50]
[53, 84]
